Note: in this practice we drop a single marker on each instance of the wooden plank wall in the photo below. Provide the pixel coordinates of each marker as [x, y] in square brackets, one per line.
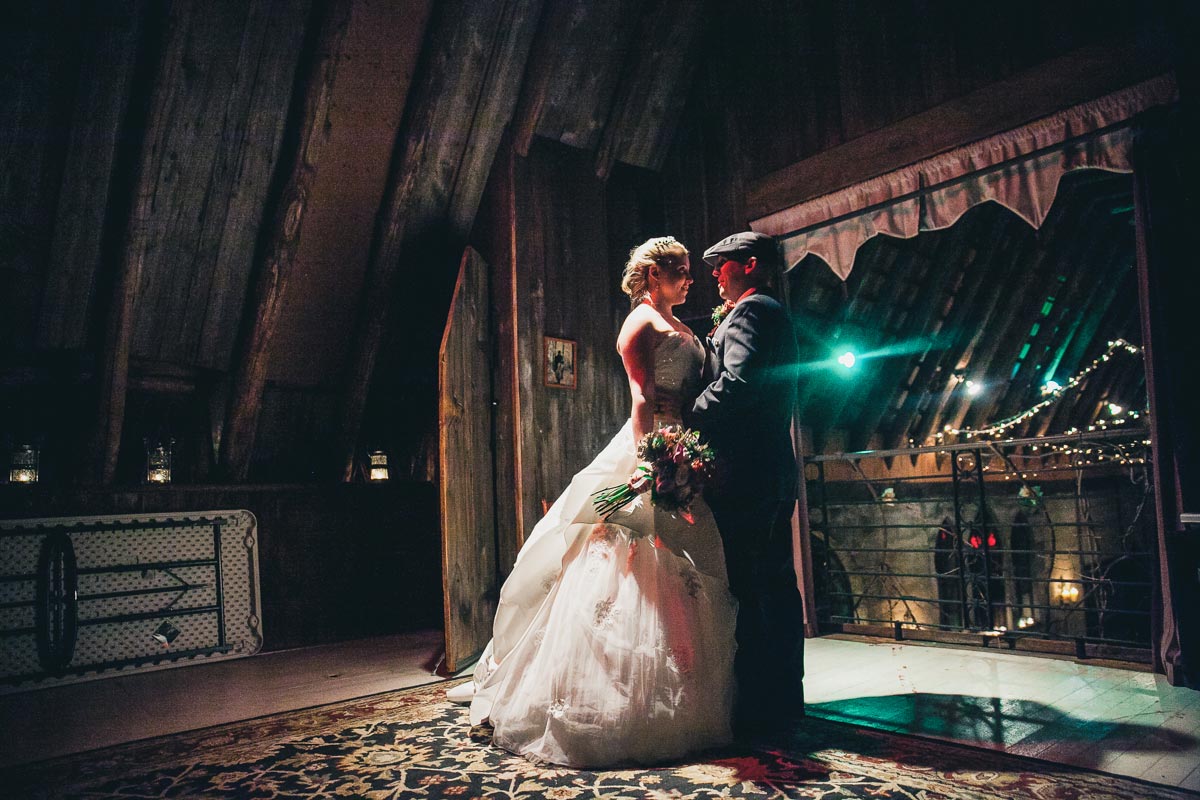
[40, 60]
[827, 73]
[557, 230]
[235, 71]
[464, 94]
[810, 76]
[83, 202]
[495, 238]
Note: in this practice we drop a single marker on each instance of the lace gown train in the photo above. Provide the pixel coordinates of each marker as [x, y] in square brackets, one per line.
[614, 641]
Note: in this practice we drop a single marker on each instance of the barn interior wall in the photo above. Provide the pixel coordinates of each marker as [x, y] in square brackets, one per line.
[795, 81]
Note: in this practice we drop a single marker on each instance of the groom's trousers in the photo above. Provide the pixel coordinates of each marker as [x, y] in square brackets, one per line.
[769, 665]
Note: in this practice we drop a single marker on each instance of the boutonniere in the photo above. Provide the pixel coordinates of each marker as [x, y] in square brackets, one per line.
[719, 314]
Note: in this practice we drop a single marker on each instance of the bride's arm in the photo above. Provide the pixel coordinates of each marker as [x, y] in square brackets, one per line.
[636, 346]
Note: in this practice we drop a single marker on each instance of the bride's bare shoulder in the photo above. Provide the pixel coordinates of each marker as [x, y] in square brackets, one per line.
[640, 327]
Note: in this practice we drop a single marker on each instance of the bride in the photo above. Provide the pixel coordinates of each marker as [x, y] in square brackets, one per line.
[614, 640]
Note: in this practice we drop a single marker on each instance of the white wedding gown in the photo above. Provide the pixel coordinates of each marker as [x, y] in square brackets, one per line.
[614, 641]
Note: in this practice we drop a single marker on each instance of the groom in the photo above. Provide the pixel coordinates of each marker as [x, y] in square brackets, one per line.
[746, 413]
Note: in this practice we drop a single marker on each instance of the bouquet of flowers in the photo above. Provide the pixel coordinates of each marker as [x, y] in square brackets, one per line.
[674, 466]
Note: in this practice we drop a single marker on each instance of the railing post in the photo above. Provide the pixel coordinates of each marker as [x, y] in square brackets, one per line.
[964, 620]
[824, 603]
[985, 545]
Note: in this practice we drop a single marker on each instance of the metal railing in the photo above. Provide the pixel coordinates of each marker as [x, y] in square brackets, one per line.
[1020, 542]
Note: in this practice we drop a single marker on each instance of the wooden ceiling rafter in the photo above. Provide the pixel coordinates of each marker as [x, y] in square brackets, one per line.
[311, 106]
[116, 345]
[1017, 381]
[954, 339]
[977, 325]
[893, 424]
[652, 88]
[1082, 299]
[891, 320]
[1085, 265]
[1119, 318]
[70, 295]
[1034, 369]
[987, 341]
[463, 99]
[976, 292]
[926, 364]
[539, 71]
[876, 394]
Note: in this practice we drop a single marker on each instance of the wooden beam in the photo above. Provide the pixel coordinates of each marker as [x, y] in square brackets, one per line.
[539, 71]
[113, 373]
[314, 95]
[110, 48]
[444, 153]
[963, 325]
[1077, 77]
[653, 87]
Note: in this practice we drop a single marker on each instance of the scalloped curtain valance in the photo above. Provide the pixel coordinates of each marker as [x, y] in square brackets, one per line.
[1020, 169]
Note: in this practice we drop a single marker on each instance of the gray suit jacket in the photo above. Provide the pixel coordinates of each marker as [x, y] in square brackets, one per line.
[746, 410]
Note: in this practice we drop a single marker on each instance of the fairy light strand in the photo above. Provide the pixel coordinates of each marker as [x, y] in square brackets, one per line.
[1054, 391]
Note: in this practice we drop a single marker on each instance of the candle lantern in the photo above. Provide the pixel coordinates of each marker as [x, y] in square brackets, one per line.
[1068, 591]
[158, 461]
[23, 465]
[379, 466]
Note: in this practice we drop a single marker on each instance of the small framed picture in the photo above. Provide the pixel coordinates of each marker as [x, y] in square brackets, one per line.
[558, 356]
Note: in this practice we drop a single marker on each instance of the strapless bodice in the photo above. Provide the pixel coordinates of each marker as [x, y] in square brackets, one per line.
[678, 368]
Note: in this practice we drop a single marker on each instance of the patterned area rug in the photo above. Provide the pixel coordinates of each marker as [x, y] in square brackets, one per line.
[413, 743]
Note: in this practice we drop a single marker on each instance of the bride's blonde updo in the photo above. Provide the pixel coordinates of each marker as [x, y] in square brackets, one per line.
[665, 251]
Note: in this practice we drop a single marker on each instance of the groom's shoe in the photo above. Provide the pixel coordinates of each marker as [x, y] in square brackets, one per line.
[462, 694]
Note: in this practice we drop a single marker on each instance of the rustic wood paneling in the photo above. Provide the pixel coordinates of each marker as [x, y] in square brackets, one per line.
[310, 123]
[701, 198]
[444, 151]
[579, 92]
[465, 486]
[495, 239]
[225, 85]
[650, 97]
[566, 287]
[105, 76]
[375, 71]
[997, 107]
[38, 72]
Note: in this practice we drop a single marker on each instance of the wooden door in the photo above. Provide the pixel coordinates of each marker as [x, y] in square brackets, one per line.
[465, 467]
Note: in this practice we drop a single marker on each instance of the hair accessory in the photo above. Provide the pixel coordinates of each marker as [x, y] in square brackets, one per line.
[661, 246]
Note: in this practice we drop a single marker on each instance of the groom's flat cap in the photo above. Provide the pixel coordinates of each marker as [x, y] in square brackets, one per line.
[741, 246]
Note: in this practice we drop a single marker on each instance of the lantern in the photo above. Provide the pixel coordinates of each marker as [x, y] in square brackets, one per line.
[379, 466]
[23, 465]
[158, 461]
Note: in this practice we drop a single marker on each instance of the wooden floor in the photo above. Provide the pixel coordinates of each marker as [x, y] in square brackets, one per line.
[1114, 720]
[1123, 721]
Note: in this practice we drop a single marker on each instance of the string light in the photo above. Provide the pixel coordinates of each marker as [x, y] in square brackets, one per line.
[1053, 391]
